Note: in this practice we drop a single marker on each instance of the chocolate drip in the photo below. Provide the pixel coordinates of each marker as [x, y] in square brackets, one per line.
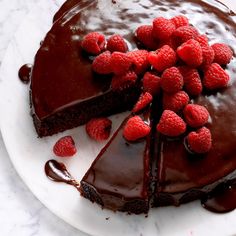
[222, 200]
[56, 171]
[24, 73]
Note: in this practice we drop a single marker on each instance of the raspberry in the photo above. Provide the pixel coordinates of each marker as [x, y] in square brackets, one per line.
[65, 147]
[184, 33]
[151, 83]
[162, 28]
[163, 58]
[144, 100]
[116, 43]
[172, 80]
[102, 63]
[215, 77]
[196, 115]
[93, 43]
[175, 102]
[179, 21]
[192, 80]
[139, 61]
[191, 53]
[170, 42]
[120, 82]
[223, 53]
[99, 128]
[200, 141]
[171, 124]
[120, 63]
[135, 129]
[208, 55]
[145, 36]
[202, 39]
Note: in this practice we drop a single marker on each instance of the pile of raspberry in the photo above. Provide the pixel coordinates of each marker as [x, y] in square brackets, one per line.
[175, 62]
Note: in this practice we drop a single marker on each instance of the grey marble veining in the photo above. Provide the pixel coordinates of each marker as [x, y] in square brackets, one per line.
[21, 213]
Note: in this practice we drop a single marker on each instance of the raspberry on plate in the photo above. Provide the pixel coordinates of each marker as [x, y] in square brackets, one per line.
[172, 80]
[99, 128]
[196, 115]
[171, 124]
[65, 147]
[120, 82]
[93, 43]
[191, 53]
[179, 21]
[151, 83]
[120, 62]
[139, 61]
[175, 102]
[192, 80]
[102, 63]
[145, 36]
[162, 58]
[185, 33]
[223, 53]
[144, 100]
[116, 43]
[200, 141]
[215, 77]
[135, 129]
[163, 28]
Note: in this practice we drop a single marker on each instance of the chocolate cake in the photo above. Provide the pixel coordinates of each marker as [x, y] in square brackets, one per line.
[66, 93]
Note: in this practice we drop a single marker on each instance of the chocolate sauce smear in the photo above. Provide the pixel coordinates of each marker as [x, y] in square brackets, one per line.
[24, 73]
[56, 171]
[221, 201]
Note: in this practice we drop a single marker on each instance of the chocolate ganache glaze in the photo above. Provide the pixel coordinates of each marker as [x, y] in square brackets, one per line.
[180, 176]
[24, 73]
[56, 171]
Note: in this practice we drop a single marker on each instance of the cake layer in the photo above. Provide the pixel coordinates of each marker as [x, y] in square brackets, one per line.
[119, 177]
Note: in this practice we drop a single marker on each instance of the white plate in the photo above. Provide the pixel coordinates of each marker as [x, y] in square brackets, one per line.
[29, 154]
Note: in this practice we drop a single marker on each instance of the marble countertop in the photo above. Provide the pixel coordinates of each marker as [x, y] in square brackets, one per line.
[21, 213]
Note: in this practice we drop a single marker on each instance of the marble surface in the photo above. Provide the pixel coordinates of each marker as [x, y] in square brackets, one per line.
[21, 213]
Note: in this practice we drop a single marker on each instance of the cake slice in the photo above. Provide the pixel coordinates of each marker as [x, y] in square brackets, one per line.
[119, 177]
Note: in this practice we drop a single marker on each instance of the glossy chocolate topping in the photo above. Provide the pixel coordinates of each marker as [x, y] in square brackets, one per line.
[121, 170]
[56, 171]
[60, 54]
[24, 73]
[221, 201]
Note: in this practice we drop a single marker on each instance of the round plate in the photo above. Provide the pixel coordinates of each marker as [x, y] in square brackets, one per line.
[29, 154]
